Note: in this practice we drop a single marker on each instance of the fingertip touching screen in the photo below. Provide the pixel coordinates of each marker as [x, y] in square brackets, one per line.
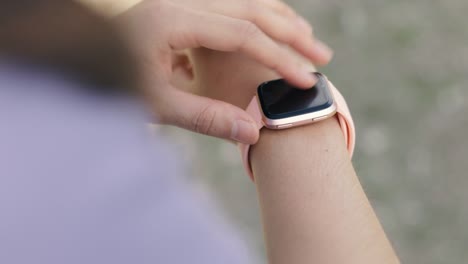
[279, 99]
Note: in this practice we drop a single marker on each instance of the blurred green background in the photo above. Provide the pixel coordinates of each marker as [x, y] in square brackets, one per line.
[402, 65]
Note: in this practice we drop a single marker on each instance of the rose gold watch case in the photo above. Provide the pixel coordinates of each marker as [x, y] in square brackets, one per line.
[298, 120]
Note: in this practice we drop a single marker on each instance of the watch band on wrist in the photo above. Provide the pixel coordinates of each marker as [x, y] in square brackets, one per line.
[342, 113]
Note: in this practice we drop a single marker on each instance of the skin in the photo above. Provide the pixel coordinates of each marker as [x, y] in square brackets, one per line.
[260, 29]
[313, 207]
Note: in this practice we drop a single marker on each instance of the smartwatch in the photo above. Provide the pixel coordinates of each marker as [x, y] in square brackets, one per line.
[279, 105]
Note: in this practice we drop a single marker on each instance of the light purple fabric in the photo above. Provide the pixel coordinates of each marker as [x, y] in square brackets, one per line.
[83, 181]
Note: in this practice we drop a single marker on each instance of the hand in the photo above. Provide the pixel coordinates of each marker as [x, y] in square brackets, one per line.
[252, 27]
[230, 77]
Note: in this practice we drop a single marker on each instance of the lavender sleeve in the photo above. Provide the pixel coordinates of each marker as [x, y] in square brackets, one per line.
[83, 181]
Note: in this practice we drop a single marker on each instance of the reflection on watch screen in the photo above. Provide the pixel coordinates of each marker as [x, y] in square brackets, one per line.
[280, 99]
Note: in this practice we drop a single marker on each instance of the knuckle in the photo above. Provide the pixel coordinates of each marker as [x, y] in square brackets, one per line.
[280, 58]
[275, 66]
[286, 9]
[204, 120]
[293, 39]
[247, 31]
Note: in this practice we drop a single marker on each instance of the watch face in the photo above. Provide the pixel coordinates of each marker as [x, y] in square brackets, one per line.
[279, 99]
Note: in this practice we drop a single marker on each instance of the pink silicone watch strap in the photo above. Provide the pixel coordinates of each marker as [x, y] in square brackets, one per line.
[344, 118]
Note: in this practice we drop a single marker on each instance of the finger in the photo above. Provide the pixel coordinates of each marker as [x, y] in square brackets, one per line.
[208, 116]
[279, 27]
[247, 7]
[285, 10]
[280, 7]
[228, 34]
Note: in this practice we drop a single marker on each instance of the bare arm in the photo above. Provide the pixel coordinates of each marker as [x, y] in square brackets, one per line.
[313, 206]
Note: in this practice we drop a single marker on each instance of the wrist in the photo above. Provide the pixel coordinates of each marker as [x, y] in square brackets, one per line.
[328, 107]
[317, 134]
[322, 143]
[312, 200]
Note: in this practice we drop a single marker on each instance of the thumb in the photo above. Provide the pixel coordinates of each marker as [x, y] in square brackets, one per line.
[207, 116]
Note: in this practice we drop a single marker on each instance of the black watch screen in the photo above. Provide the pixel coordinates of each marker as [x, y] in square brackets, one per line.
[278, 99]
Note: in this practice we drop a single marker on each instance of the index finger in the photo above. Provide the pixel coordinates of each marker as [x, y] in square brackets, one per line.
[280, 7]
[228, 34]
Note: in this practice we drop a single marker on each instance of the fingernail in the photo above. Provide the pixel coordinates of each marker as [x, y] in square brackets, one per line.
[323, 50]
[304, 24]
[242, 131]
[309, 78]
[308, 67]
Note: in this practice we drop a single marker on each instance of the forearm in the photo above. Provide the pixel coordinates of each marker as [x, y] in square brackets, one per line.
[313, 206]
